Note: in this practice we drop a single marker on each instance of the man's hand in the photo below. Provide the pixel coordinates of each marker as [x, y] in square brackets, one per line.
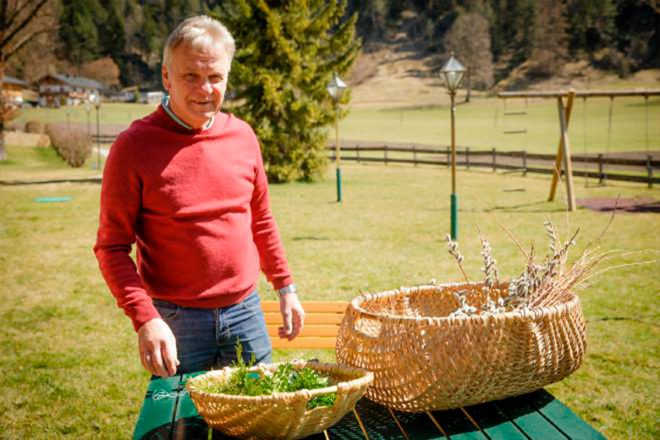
[158, 348]
[293, 316]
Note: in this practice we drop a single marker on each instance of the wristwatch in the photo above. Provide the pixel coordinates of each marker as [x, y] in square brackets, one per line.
[291, 288]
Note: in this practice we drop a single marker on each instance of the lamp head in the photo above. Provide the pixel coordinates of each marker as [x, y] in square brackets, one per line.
[336, 87]
[452, 72]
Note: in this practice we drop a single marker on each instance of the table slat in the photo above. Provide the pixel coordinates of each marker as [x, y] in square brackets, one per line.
[494, 422]
[155, 421]
[525, 416]
[561, 416]
[457, 425]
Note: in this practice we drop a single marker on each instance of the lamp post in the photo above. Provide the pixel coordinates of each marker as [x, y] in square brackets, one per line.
[453, 72]
[97, 104]
[88, 110]
[336, 88]
[68, 116]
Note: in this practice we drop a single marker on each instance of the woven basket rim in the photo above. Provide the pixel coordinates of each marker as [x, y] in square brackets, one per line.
[526, 314]
[365, 376]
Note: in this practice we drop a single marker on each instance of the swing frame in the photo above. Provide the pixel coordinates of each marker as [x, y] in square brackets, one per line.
[563, 156]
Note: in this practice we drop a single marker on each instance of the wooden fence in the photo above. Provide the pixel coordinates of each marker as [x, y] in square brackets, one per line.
[640, 170]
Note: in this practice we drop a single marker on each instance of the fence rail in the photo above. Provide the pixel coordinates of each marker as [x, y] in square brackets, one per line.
[642, 169]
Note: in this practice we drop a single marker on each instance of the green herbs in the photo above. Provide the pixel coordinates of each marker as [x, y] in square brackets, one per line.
[286, 378]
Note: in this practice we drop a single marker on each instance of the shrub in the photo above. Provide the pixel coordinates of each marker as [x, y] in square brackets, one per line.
[74, 146]
[34, 127]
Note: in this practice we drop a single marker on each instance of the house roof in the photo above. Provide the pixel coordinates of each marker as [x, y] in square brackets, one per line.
[78, 81]
[15, 81]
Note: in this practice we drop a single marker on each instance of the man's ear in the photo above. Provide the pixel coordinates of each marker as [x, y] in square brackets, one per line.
[166, 77]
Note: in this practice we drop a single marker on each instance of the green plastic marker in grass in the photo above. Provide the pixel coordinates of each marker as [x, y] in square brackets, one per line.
[52, 199]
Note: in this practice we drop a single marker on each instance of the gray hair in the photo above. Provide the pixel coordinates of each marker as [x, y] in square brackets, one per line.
[201, 33]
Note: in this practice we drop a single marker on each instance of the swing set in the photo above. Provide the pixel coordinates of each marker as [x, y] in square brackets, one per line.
[563, 157]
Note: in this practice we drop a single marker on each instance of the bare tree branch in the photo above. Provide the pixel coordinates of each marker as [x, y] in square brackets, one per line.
[26, 40]
[30, 16]
[17, 11]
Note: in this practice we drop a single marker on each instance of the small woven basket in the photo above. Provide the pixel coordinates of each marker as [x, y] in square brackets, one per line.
[280, 415]
[424, 360]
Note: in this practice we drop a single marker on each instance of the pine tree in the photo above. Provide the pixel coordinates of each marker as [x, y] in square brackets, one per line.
[78, 29]
[286, 54]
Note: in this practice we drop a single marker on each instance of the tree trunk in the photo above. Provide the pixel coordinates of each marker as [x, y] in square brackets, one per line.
[469, 84]
[3, 151]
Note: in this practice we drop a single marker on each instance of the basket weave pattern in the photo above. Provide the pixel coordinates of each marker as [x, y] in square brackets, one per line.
[280, 415]
[423, 360]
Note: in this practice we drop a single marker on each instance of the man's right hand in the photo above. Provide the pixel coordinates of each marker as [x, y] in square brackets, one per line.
[158, 348]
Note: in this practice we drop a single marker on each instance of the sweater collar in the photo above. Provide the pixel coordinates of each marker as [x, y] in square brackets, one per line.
[166, 106]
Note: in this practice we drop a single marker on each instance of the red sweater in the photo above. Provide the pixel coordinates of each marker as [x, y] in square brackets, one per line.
[196, 203]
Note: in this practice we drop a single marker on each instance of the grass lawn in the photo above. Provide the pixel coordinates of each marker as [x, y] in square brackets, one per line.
[479, 124]
[69, 356]
[26, 163]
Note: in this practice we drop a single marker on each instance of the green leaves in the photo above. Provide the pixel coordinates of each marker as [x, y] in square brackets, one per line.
[286, 54]
[284, 379]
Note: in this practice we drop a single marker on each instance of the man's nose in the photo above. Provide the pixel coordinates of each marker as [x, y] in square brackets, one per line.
[206, 86]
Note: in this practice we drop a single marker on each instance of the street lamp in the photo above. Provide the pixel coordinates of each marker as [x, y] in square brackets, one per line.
[453, 72]
[336, 88]
[96, 99]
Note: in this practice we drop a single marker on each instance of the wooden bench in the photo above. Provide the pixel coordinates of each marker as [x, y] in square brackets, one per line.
[322, 321]
[168, 413]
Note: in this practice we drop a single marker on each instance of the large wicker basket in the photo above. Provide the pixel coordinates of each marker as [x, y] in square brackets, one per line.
[280, 415]
[424, 360]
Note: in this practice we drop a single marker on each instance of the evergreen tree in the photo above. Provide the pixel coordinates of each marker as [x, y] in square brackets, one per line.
[286, 54]
[78, 29]
[591, 24]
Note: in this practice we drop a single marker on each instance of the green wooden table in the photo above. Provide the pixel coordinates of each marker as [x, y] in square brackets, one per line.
[169, 414]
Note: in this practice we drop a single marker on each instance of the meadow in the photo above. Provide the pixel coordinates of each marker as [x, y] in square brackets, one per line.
[69, 355]
[480, 124]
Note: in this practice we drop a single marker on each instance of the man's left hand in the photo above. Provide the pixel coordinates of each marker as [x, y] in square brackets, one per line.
[293, 316]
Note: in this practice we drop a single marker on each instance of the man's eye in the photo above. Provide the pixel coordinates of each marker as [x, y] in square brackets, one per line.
[190, 77]
[215, 78]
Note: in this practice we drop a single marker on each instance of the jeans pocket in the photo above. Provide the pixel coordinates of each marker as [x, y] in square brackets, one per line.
[251, 303]
[167, 310]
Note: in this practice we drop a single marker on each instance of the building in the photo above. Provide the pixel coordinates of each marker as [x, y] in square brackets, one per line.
[57, 90]
[13, 88]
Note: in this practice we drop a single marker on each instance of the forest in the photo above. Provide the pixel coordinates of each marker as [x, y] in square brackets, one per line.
[119, 42]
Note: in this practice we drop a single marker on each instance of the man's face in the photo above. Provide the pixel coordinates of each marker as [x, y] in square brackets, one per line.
[196, 82]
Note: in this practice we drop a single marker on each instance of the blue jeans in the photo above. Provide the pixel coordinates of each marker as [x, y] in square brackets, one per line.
[206, 338]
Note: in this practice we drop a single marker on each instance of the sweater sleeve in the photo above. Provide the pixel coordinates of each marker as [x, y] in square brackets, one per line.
[264, 230]
[120, 205]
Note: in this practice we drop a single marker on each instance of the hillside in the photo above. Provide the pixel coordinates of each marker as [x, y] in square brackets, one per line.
[396, 75]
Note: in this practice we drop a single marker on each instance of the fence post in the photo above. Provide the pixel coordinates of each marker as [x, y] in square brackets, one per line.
[649, 170]
[467, 158]
[494, 160]
[448, 156]
[601, 175]
[357, 152]
[414, 154]
[524, 162]
[385, 153]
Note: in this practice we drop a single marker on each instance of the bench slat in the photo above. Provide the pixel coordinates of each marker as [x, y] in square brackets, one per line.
[308, 330]
[315, 318]
[304, 342]
[310, 307]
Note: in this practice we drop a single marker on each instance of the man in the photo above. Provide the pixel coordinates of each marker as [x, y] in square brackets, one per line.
[187, 184]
